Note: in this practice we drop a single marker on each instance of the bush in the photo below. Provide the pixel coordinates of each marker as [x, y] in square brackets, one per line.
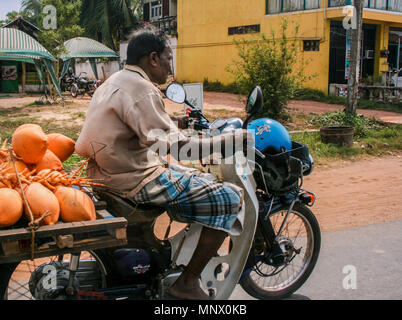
[309, 94]
[271, 64]
[361, 124]
[317, 95]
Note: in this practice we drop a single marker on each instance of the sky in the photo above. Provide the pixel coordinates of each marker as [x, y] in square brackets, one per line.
[7, 6]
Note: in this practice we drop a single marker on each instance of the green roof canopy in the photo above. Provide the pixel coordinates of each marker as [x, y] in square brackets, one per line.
[82, 47]
[85, 48]
[16, 45]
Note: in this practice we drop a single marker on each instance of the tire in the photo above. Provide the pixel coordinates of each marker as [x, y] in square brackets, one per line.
[19, 275]
[74, 90]
[92, 89]
[255, 283]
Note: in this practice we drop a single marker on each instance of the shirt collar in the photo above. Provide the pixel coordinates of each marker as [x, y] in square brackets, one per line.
[137, 69]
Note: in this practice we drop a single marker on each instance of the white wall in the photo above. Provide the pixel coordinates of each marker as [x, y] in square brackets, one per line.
[105, 70]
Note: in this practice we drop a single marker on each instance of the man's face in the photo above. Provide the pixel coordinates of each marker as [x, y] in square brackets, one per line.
[164, 68]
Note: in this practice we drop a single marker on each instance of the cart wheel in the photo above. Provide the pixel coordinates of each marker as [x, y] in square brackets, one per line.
[18, 286]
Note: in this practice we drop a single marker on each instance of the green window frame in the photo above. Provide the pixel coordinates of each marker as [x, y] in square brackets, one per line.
[281, 6]
[388, 5]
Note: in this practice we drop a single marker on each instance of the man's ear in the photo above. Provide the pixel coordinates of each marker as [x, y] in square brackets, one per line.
[153, 59]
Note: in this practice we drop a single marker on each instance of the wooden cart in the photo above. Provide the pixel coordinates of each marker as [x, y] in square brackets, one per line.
[63, 238]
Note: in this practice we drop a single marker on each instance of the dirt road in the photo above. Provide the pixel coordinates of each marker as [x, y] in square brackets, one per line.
[351, 194]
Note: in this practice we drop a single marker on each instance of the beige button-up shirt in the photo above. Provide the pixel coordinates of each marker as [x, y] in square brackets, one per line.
[124, 120]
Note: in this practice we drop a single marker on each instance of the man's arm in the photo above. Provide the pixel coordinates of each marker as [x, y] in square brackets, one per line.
[197, 148]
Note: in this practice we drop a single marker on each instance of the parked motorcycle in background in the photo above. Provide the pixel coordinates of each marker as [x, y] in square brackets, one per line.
[83, 85]
[79, 85]
[67, 80]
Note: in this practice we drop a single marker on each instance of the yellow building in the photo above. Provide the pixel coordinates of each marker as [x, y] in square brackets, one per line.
[207, 28]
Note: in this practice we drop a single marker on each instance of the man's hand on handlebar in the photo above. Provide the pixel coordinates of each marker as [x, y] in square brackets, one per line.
[182, 121]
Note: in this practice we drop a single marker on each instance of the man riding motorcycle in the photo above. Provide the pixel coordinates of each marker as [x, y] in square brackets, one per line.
[118, 136]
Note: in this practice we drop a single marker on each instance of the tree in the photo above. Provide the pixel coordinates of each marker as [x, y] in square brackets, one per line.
[12, 15]
[109, 20]
[67, 18]
[33, 8]
[275, 64]
[67, 24]
[355, 55]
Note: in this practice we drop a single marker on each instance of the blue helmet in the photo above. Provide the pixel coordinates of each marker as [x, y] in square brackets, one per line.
[270, 136]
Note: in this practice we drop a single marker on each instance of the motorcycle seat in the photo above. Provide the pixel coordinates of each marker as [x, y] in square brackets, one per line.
[121, 207]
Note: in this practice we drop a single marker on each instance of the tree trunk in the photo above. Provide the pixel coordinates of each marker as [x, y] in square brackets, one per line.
[355, 56]
[24, 78]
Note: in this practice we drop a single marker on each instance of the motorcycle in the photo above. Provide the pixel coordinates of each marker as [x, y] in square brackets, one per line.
[271, 258]
[67, 81]
[82, 85]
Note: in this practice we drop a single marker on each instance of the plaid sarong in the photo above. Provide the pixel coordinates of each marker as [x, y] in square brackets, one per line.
[189, 198]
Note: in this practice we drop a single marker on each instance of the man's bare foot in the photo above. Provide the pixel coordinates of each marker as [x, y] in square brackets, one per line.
[187, 292]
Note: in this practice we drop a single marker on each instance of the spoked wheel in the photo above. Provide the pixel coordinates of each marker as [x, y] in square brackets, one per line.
[18, 286]
[300, 241]
[74, 90]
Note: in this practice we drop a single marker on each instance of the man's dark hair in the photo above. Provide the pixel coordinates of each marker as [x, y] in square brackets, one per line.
[143, 43]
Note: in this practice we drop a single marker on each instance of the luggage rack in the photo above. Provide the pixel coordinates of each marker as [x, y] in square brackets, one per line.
[64, 238]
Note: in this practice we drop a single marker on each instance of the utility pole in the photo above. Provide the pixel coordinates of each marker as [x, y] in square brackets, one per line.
[355, 56]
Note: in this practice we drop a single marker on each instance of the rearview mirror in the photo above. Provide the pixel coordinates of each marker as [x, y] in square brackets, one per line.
[254, 101]
[175, 93]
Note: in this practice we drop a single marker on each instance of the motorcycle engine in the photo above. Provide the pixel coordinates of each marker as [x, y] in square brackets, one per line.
[50, 280]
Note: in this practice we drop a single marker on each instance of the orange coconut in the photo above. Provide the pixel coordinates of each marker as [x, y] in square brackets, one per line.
[62, 146]
[75, 205]
[9, 168]
[30, 143]
[41, 200]
[49, 161]
[10, 207]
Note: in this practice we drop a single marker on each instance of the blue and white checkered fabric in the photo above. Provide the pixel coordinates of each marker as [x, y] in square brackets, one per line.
[192, 199]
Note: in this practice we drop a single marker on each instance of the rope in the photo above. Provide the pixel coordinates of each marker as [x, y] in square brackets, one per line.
[34, 224]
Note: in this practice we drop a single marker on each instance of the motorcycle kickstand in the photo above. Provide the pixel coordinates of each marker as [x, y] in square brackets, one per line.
[73, 267]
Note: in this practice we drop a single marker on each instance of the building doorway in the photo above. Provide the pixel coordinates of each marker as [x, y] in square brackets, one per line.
[337, 62]
[395, 55]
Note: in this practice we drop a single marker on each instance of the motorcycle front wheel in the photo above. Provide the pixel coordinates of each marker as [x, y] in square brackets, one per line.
[74, 90]
[301, 242]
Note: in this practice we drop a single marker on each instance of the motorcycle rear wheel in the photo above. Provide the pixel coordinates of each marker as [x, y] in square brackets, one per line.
[301, 232]
[18, 285]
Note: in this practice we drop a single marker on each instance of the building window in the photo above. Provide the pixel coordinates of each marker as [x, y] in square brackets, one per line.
[311, 45]
[278, 6]
[156, 11]
[244, 29]
[336, 3]
[390, 5]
